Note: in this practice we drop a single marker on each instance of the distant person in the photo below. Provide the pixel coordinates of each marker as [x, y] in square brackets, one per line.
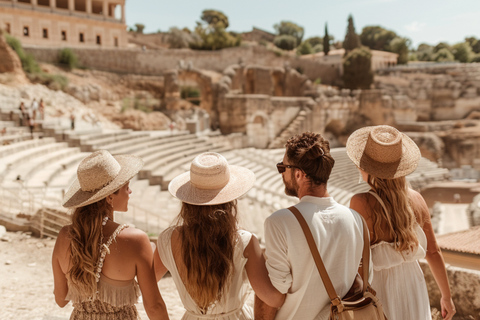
[31, 124]
[457, 198]
[210, 258]
[337, 230]
[4, 131]
[399, 222]
[23, 114]
[72, 121]
[41, 109]
[172, 126]
[34, 109]
[98, 264]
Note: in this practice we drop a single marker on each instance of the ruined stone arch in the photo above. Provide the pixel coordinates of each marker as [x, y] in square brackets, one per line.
[259, 130]
[204, 83]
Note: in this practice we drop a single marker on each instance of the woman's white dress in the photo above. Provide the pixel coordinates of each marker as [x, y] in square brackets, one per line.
[233, 305]
[399, 281]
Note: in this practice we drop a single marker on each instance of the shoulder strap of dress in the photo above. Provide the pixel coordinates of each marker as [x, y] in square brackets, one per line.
[373, 193]
[104, 249]
[113, 236]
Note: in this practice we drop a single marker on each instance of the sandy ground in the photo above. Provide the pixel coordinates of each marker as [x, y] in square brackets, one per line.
[26, 282]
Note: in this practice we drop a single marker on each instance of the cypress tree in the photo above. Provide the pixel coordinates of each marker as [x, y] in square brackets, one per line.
[326, 41]
[352, 40]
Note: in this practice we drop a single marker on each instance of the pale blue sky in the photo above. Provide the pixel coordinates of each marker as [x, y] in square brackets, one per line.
[429, 21]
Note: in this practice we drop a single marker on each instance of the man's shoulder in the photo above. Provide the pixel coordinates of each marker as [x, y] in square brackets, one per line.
[280, 214]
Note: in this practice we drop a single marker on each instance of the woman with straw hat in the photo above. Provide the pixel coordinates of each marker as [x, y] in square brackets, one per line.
[210, 259]
[399, 222]
[95, 260]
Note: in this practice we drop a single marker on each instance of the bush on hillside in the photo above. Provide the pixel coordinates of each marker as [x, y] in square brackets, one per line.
[285, 42]
[29, 64]
[68, 58]
[304, 48]
[357, 71]
[443, 55]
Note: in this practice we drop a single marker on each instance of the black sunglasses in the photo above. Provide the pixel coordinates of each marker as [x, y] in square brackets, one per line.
[283, 167]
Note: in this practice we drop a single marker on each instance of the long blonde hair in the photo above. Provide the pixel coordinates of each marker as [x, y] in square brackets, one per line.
[208, 236]
[399, 220]
[85, 233]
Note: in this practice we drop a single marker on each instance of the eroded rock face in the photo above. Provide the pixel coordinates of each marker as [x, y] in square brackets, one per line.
[138, 120]
[431, 146]
[9, 60]
[464, 286]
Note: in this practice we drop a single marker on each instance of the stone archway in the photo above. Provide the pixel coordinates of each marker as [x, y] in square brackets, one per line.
[203, 82]
[258, 130]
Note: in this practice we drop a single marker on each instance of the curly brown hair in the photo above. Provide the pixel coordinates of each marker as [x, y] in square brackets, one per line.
[311, 153]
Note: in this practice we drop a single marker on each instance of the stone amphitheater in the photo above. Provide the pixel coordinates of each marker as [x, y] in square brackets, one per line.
[35, 172]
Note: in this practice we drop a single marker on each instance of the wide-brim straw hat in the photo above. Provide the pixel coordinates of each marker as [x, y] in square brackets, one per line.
[211, 180]
[383, 152]
[99, 175]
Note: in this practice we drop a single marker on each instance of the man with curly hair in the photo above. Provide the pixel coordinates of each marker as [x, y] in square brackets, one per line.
[337, 230]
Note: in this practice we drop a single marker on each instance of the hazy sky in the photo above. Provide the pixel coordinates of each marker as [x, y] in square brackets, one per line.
[429, 21]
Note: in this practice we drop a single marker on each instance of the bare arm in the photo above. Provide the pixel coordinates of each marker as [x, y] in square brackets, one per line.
[152, 299]
[60, 287]
[160, 268]
[258, 275]
[434, 255]
[263, 311]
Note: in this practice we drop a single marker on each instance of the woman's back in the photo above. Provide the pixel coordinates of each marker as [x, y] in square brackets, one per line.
[232, 303]
[398, 278]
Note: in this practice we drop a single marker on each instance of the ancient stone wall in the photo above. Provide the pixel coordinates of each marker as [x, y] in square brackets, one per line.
[437, 92]
[155, 62]
[464, 286]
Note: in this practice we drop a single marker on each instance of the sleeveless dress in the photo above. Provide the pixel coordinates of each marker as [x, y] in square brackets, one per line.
[115, 299]
[398, 278]
[232, 306]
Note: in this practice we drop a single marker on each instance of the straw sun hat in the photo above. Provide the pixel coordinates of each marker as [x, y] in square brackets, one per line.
[99, 175]
[383, 151]
[211, 181]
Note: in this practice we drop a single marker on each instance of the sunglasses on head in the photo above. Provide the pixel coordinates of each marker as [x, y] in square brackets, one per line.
[283, 167]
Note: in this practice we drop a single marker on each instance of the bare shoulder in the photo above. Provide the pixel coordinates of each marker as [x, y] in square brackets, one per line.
[360, 203]
[132, 234]
[133, 238]
[419, 206]
[63, 238]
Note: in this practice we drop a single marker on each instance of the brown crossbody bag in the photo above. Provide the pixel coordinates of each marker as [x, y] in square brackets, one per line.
[361, 306]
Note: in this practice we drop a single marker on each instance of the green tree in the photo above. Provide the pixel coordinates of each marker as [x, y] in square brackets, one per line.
[400, 46]
[211, 34]
[443, 55]
[314, 41]
[326, 41]
[68, 58]
[139, 27]
[285, 42]
[474, 43]
[291, 29]
[424, 52]
[440, 46]
[352, 41]
[357, 70]
[462, 52]
[304, 48]
[377, 38]
[178, 39]
[318, 48]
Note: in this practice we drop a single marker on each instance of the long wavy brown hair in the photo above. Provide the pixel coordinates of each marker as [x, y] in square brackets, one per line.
[208, 235]
[398, 222]
[85, 233]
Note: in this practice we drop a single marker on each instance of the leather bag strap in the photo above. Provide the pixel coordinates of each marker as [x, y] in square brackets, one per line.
[318, 260]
